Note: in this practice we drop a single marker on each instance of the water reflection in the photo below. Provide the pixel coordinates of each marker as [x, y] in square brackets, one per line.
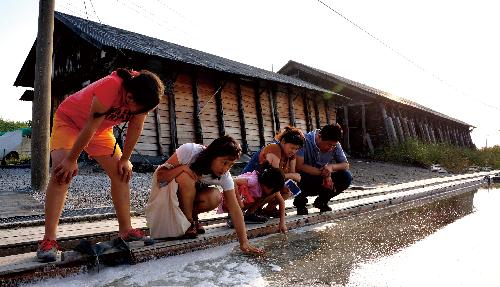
[328, 256]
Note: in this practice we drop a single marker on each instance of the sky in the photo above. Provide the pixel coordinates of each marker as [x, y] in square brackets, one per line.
[440, 54]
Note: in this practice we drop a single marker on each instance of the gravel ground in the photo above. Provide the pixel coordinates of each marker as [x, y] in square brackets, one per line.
[374, 174]
[91, 187]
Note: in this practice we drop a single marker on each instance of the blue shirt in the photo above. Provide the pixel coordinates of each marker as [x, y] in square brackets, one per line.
[315, 158]
[253, 164]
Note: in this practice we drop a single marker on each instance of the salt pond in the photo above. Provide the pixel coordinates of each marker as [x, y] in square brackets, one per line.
[451, 242]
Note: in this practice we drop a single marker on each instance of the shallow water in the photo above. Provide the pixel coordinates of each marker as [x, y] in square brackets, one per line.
[452, 242]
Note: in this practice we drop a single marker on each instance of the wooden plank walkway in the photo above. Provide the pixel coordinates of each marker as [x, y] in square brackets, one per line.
[24, 239]
[19, 265]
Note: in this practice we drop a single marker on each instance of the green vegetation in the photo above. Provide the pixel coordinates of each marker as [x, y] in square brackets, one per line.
[7, 126]
[452, 158]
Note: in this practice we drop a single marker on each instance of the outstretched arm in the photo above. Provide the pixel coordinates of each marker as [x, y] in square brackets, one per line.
[282, 225]
[239, 223]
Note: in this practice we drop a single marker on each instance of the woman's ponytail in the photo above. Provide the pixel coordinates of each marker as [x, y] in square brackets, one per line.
[146, 88]
[125, 74]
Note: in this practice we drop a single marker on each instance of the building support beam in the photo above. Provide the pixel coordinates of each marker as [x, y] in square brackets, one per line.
[169, 91]
[327, 111]
[291, 108]
[307, 113]
[258, 110]
[241, 115]
[367, 141]
[198, 130]
[220, 109]
[274, 110]
[389, 126]
[317, 114]
[347, 141]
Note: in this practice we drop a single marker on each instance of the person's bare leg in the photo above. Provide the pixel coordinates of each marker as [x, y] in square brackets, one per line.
[55, 196]
[120, 191]
[186, 194]
[206, 200]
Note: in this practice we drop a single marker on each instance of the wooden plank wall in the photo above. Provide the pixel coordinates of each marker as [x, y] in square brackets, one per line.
[208, 116]
[267, 115]
[300, 119]
[230, 106]
[252, 129]
[282, 105]
[148, 141]
[322, 112]
[184, 111]
[312, 113]
[332, 111]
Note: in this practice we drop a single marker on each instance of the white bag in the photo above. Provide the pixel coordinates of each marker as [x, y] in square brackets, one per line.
[163, 214]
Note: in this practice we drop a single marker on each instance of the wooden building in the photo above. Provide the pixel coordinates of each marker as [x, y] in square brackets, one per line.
[206, 95]
[374, 118]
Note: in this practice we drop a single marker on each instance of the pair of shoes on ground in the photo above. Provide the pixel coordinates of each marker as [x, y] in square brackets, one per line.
[193, 230]
[250, 218]
[269, 213]
[47, 248]
[322, 206]
[253, 218]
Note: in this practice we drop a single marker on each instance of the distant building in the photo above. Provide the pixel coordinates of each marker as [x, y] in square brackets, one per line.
[374, 118]
[206, 95]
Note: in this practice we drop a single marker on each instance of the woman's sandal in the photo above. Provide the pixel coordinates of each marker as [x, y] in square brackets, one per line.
[199, 228]
[191, 232]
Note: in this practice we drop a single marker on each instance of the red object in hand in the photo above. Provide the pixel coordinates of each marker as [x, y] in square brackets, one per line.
[328, 182]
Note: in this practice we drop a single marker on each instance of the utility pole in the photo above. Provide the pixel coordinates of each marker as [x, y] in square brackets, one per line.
[40, 153]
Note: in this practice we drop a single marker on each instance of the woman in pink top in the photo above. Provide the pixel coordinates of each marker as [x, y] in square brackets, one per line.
[84, 121]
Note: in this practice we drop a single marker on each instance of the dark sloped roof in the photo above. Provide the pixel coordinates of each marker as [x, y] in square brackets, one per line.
[28, 95]
[370, 90]
[101, 35]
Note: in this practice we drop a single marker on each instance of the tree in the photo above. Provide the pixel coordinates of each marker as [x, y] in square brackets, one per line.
[7, 126]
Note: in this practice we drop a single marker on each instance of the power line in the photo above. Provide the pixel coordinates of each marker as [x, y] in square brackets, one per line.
[173, 10]
[69, 8]
[85, 5]
[94, 11]
[169, 25]
[142, 14]
[403, 56]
